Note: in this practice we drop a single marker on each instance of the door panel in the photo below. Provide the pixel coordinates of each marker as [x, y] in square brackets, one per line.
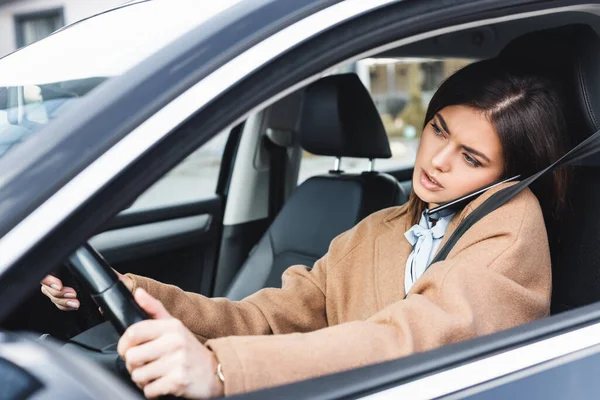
[148, 239]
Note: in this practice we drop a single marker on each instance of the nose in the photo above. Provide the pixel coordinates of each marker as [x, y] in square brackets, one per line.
[441, 159]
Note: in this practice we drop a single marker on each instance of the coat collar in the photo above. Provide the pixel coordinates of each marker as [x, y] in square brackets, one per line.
[392, 251]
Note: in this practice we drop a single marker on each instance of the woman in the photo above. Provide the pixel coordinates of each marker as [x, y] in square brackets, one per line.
[485, 123]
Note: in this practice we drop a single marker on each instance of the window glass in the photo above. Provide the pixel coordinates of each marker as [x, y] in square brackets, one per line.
[26, 109]
[40, 81]
[401, 89]
[36, 26]
[194, 179]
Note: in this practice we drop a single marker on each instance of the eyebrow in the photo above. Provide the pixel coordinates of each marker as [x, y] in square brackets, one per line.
[443, 123]
[471, 150]
[467, 148]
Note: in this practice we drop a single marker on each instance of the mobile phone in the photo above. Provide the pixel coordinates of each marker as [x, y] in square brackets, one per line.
[457, 204]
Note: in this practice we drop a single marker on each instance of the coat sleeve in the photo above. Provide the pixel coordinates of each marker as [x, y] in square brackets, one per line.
[259, 314]
[298, 306]
[497, 277]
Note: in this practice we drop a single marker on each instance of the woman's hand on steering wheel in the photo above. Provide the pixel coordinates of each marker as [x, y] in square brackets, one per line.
[64, 297]
[165, 358]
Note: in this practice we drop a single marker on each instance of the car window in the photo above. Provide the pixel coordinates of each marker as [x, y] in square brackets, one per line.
[194, 179]
[401, 89]
[39, 81]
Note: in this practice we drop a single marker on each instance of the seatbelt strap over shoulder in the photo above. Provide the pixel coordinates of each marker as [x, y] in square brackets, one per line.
[276, 142]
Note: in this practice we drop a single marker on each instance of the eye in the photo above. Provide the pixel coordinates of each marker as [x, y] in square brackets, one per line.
[436, 129]
[470, 160]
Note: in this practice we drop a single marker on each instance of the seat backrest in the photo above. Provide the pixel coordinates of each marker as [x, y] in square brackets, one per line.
[571, 56]
[338, 119]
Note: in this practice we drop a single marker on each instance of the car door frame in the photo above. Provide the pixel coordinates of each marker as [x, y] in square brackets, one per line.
[284, 81]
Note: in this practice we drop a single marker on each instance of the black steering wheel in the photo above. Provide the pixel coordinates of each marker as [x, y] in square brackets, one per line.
[101, 282]
[117, 303]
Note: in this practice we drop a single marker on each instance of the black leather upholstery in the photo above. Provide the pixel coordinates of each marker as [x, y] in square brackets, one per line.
[339, 119]
[571, 55]
[324, 206]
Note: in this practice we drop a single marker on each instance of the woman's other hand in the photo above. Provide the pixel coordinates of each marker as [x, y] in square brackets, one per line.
[64, 297]
[164, 357]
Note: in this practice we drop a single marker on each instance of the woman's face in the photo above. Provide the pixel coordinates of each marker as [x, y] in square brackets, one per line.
[459, 152]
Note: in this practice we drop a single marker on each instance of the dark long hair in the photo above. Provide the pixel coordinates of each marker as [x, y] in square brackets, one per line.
[525, 111]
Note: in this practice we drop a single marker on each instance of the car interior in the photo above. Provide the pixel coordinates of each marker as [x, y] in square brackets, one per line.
[258, 221]
[338, 119]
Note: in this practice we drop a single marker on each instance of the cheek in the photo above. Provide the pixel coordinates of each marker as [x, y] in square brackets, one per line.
[427, 147]
[471, 179]
[425, 153]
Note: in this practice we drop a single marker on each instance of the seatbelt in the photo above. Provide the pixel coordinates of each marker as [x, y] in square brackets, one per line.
[586, 148]
[276, 142]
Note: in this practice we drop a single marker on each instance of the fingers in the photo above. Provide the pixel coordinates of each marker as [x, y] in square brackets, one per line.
[127, 281]
[161, 387]
[53, 282]
[65, 299]
[54, 288]
[169, 360]
[177, 381]
[152, 306]
[152, 350]
[181, 380]
[65, 292]
[161, 364]
[146, 331]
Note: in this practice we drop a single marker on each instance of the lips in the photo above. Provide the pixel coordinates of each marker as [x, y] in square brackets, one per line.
[429, 183]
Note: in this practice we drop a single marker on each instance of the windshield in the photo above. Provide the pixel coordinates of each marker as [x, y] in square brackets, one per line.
[40, 81]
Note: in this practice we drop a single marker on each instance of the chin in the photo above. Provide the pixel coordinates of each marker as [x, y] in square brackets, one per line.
[425, 195]
[430, 198]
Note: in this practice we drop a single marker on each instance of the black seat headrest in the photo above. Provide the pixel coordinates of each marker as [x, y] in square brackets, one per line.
[569, 55]
[339, 119]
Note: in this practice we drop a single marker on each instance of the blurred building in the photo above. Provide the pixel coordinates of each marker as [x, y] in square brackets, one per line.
[402, 88]
[23, 22]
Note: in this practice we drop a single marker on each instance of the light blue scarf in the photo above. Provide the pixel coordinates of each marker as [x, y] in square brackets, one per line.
[425, 241]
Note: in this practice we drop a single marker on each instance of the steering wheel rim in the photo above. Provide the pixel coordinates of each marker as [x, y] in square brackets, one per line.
[100, 281]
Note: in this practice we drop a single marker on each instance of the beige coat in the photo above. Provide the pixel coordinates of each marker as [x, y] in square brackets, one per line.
[348, 310]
